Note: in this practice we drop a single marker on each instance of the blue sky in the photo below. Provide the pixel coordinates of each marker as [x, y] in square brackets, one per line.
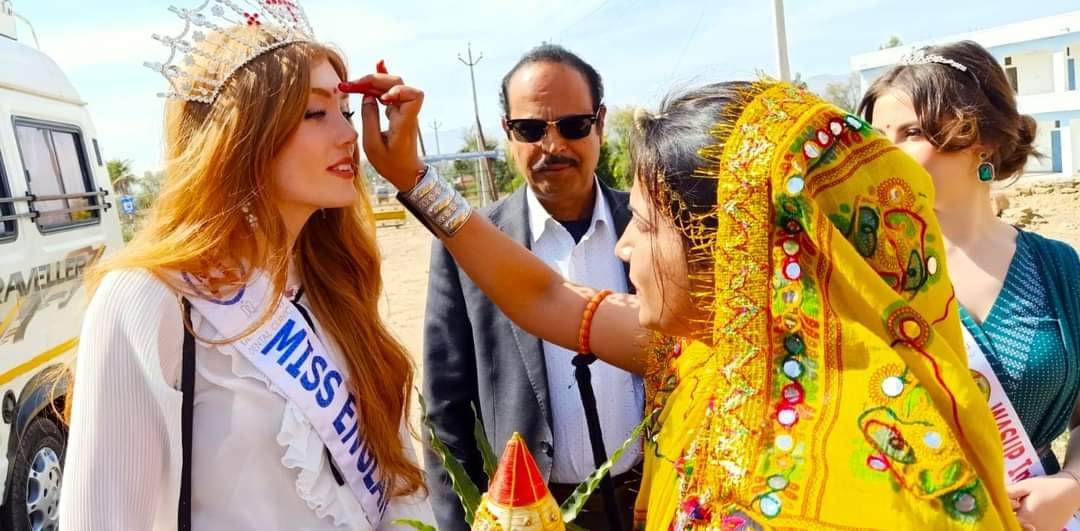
[642, 48]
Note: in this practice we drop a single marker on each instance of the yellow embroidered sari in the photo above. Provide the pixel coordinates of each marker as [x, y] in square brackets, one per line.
[834, 391]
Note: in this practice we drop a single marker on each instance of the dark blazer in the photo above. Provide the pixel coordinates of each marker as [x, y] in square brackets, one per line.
[474, 354]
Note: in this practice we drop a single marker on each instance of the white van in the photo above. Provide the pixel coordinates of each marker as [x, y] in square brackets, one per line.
[56, 219]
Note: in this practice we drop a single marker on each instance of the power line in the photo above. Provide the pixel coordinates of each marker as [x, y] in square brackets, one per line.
[584, 17]
[690, 40]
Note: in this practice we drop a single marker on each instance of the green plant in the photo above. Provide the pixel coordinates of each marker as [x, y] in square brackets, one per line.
[469, 493]
[462, 484]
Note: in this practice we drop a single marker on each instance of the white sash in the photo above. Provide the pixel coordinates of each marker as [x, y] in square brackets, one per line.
[1021, 459]
[292, 357]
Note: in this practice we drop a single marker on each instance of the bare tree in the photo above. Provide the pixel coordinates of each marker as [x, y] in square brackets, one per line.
[844, 94]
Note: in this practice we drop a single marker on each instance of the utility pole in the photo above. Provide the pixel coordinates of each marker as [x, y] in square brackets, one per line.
[781, 40]
[435, 125]
[420, 136]
[488, 177]
[486, 188]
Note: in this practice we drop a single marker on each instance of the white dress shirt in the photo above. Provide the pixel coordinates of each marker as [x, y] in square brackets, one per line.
[590, 262]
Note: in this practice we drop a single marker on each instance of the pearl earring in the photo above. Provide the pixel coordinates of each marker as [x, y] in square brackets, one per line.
[249, 216]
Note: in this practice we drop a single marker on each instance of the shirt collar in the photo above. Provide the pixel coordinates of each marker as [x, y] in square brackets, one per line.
[541, 221]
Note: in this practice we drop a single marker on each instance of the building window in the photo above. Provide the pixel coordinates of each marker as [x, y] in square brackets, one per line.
[1010, 72]
[1057, 124]
[7, 207]
[1070, 73]
[56, 165]
[1008, 61]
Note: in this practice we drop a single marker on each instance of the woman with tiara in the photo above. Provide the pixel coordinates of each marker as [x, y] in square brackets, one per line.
[951, 108]
[793, 313]
[233, 371]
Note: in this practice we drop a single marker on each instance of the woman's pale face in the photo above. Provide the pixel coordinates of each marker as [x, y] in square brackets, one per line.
[316, 168]
[953, 172]
[658, 269]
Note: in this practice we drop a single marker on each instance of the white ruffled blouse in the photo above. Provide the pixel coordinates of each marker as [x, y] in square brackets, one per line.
[257, 463]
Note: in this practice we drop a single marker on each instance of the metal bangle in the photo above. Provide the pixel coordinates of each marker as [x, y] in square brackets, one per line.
[435, 201]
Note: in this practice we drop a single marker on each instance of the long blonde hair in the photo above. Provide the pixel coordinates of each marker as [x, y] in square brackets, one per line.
[218, 158]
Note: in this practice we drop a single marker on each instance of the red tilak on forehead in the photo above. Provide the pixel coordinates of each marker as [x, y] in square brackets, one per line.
[363, 87]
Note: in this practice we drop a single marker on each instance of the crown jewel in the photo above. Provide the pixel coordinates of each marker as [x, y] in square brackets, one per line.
[270, 25]
[919, 56]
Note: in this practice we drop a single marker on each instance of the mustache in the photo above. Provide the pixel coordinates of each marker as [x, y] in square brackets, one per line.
[546, 161]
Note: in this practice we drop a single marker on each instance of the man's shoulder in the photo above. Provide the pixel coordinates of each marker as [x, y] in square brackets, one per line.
[499, 213]
[618, 204]
[511, 205]
[617, 198]
[620, 197]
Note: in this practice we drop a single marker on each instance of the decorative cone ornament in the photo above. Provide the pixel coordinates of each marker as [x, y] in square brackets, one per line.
[517, 498]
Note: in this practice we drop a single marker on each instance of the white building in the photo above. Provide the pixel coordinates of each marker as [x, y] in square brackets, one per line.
[1040, 59]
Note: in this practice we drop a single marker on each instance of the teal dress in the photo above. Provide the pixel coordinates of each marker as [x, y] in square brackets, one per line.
[1030, 338]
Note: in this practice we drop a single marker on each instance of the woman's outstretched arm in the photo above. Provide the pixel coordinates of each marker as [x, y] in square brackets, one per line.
[540, 301]
[530, 293]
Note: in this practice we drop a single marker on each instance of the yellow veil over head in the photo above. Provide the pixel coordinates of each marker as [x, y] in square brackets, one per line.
[833, 389]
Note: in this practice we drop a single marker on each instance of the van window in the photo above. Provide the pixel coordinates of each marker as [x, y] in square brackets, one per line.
[7, 207]
[57, 169]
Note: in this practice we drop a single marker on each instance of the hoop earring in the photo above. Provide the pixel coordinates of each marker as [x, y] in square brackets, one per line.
[986, 171]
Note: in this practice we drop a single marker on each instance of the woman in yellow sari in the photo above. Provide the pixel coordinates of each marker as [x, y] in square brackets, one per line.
[819, 379]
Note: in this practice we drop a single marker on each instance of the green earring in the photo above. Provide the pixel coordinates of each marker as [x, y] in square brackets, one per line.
[986, 171]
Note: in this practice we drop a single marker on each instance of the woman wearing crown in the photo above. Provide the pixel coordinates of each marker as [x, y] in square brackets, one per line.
[233, 371]
[951, 108]
[793, 313]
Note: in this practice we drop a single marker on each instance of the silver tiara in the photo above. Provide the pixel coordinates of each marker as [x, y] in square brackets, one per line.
[919, 56]
[277, 23]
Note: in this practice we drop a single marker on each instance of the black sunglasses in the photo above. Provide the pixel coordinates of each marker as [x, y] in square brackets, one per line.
[573, 127]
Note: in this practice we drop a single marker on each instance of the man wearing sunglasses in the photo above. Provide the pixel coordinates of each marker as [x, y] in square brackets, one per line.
[474, 356]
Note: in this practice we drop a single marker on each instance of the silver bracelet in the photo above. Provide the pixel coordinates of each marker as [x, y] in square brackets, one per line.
[433, 200]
